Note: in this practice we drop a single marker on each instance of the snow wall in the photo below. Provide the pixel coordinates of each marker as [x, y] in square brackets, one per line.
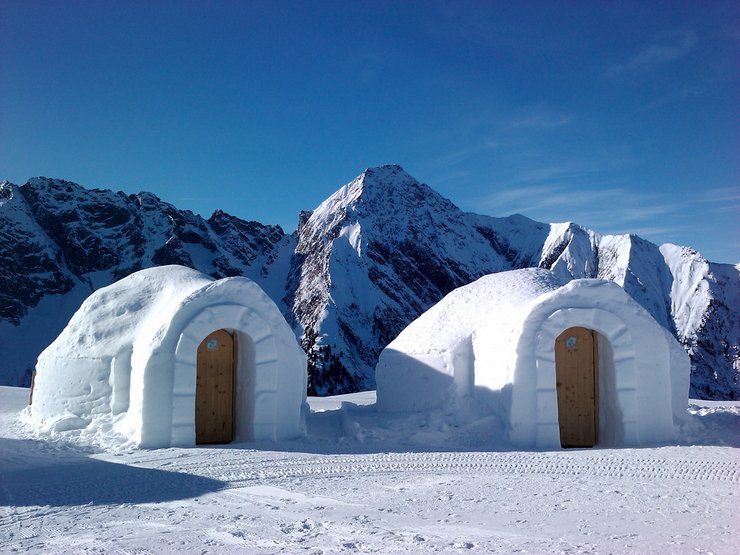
[124, 368]
[488, 349]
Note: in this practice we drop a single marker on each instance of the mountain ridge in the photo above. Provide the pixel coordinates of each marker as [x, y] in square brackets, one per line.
[365, 262]
[404, 252]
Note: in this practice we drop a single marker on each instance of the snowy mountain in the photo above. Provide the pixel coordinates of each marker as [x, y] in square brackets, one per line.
[384, 248]
[60, 241]
[361, 266]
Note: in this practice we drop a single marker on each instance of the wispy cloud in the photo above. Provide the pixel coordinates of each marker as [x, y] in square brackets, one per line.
[538, 117]
[452, 176]
[532, 198]
[727, 208]
[510, 134]
[518, 195]
[655, 55]
[721, 194]
[540, 121]
[648, 231]
[606, 209]
[462, 154]
[719, 200]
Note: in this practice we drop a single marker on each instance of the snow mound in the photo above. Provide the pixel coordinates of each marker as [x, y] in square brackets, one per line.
[488, 349]
[124, 368]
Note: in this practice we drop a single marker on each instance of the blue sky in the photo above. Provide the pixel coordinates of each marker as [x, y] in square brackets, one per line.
[620, 116]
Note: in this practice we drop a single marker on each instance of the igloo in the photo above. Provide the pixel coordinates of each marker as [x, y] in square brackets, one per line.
[561, 364]
[171, 357]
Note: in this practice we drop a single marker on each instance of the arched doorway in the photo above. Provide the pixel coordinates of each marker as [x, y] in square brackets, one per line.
[214, 388]
[576, 372]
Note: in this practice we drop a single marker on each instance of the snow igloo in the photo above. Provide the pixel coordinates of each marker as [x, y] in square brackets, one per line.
[562, 364]
[171, 357]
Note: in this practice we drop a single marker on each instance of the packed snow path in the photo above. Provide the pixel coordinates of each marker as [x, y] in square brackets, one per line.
[231, 467]
[330, 496]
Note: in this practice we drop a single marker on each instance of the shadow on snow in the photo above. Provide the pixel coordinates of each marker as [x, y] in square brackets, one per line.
[32, 474]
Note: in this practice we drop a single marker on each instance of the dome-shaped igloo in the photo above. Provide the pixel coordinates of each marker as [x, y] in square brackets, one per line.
[169, 357]
[570, 364]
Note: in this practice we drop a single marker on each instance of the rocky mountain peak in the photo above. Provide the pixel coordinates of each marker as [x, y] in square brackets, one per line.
[385, 198]
[391, 184]
[382, 184]
[60, 188]
[387, 175]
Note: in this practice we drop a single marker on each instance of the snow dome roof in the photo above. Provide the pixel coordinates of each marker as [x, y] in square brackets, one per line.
[504, 296]
[140, 308]
[115, 316]
[126, 360]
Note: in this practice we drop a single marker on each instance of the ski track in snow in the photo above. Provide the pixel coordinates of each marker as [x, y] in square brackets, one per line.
[239, 471]
[57, 498]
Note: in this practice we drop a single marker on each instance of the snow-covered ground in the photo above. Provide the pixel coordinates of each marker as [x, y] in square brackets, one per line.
[360, 482]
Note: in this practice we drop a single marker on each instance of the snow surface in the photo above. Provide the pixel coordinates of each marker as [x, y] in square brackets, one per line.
[363, 481]
[123, 370]
[487, 349]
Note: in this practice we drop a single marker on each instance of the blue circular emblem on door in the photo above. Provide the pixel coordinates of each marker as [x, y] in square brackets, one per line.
[212, 344]
[571, 342]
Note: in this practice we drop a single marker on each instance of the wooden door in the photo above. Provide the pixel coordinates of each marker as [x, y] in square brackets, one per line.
[577, 387]
[214, 389]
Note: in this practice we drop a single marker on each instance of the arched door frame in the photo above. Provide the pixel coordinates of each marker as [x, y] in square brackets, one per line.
[264, 374]
[537, 395]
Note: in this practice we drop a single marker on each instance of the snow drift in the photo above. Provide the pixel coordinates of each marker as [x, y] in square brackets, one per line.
[488, 347]
[125, 365]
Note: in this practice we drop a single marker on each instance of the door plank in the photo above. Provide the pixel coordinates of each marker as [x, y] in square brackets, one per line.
[575, 368]
[214, 390]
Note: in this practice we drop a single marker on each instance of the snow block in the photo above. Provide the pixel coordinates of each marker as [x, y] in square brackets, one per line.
[127, 362]
[499, 334]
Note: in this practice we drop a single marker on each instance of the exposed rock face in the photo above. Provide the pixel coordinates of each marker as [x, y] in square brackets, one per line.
[384, 248]
[371, 258]
[704, 301]
[31, 264]
[361, 266]
[60, 241]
